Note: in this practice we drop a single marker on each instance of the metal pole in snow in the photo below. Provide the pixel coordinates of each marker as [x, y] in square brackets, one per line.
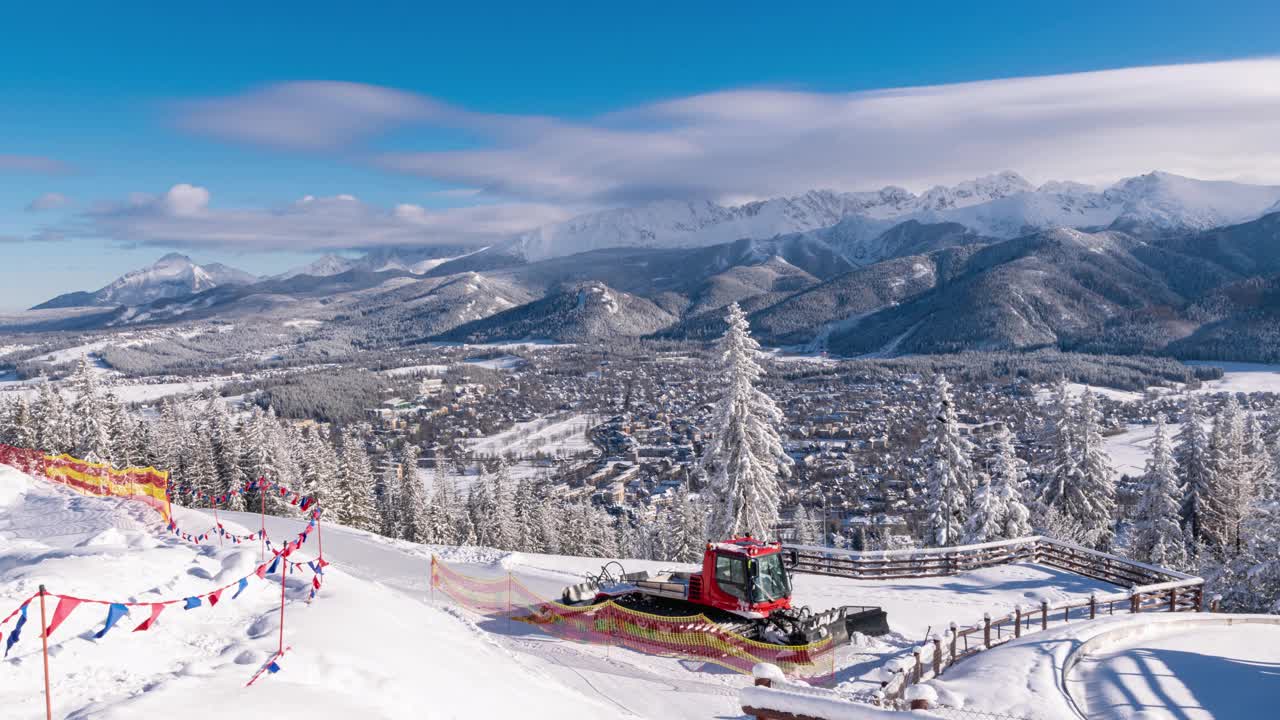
[218, 523]
[262, 493]
[284, 570]
[44, 646]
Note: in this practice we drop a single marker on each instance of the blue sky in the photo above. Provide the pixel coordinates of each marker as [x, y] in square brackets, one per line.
[453, 123]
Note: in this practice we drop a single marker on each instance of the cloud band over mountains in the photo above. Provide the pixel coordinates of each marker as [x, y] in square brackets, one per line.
[516, 172]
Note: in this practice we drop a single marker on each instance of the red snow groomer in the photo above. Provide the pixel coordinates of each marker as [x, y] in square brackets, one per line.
[743, 587]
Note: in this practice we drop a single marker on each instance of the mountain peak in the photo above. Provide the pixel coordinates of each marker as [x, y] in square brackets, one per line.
[173, 258]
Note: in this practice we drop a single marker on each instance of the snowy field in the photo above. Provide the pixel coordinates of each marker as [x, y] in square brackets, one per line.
[555, 435]
[1242, 378]
[1220, 672]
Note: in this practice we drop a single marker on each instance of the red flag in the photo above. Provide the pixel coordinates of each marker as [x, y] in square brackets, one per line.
[215, 596]
[261, 571]
[65, 606]
[156, 608]
[315, 581]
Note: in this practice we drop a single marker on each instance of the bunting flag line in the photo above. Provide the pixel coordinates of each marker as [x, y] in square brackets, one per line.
[156, 609]
[154, 488]
[114, 613]
[17, 629]
[65, 606]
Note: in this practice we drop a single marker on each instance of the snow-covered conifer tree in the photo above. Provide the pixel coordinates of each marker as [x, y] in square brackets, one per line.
[1063, 460]
[1008, 486]
[1158, 537]
[1231, 483]
[353, 501]
[413, 497]
[949, 471]
[1193, 469]
[92, 441]
[744, 456]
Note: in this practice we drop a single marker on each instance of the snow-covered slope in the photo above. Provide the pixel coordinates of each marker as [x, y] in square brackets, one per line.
[1172, 202]
[361, 649]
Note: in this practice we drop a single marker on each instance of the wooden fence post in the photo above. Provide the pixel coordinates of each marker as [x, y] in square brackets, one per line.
[1017, 621]
[1217, 600]
[919, 667]
[953, 643]
[1135, 601]
[1044, 614]
[1093, 605]
[1173, 599]
[937, 654]
[986, 629]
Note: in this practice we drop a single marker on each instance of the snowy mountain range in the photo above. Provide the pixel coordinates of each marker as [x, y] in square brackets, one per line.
[1154, 264]
[1004, 205]
[173, 275]
[412, 260]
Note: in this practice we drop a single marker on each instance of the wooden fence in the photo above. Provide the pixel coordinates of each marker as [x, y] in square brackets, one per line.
[1150, 589]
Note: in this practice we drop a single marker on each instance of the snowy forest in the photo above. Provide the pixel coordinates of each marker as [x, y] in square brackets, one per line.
[1208, 501]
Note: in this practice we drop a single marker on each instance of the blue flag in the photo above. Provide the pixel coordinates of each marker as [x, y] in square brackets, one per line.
[114, 613]
[17, 630]
[273, 667]
[192, 602]
[274, 563]
[244, 583]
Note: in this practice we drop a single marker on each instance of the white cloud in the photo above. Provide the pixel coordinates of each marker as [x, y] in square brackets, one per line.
[48, 201]
[183, 217]
[1213, 121]
[37, 164]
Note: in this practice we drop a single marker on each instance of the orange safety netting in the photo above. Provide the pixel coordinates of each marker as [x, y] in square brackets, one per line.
[145, 485]
[692, 637]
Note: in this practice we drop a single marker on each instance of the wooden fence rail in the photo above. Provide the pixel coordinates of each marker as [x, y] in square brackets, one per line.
[1150, 589]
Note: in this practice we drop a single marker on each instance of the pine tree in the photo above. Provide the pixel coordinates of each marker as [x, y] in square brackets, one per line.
[986, 514]
[21, 426]
[353, 501]
[744, 456]
[503, 522]
[525, 507]
[1254, 581]
[202, 472]
[806, 530]
[1008, 484]
[1079, 504]
[1192, 466]
[1230, 491]
[949, 480]
[91, 439]
[52, 424]
[480, 510]
[120, 432]
[390, 495]
[1158, 537]
[1063, 462]
[683, 533]
[441, 526]
[413, 498]
[226, 461]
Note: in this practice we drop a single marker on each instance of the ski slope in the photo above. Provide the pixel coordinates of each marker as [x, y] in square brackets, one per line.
[376, 642]
[362, 649]
[687, 689]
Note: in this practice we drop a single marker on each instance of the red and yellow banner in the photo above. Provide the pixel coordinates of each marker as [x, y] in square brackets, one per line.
[146, 485]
